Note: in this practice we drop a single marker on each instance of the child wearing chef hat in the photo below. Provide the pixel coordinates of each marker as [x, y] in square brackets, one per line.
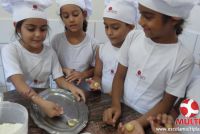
[27, 62]
[75, 48]
[120, 17]
[154, 68]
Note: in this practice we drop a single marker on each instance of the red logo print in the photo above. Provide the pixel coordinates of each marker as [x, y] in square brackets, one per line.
[189, 108]
[139, 73]
[35, 6]
[110, 8]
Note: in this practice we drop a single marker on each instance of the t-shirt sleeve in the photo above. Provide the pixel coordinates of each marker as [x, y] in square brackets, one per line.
[181, 77]
[54, 42]
[11, 61]
[124, 50]
[56, 67]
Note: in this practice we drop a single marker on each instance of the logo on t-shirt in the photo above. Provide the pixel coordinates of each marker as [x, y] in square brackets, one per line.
[189, 108]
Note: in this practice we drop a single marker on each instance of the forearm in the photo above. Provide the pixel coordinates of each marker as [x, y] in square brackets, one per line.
[118, 85]
[26, 91]
[97, 79]
[164, 106]
[117, 91]
[62, 83]
[88, 73]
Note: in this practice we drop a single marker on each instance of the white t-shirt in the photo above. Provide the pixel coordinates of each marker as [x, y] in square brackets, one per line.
[36, 68]
[78, 57]
[153, 69]
[108, 55]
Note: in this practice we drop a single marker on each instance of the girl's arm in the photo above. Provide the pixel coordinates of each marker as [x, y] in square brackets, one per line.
[164, 106]
[88, 73]
[98, 68]
[50, 108]
[97, 73]
[138, 125]
[77, 92]
[112, 114]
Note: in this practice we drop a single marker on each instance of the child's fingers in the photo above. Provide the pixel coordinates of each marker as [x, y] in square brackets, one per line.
[120, 129]
[170, 122]
[78, 98]
[82, 96]
[159, 117]
[153, 122]
[79, 81]
[150, 118]
[164, 118]
[170, 119]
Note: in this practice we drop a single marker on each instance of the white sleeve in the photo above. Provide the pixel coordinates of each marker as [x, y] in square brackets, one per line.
[124, 50]
[11, 61]
[193, 89]
[181, 77]
[56, 67]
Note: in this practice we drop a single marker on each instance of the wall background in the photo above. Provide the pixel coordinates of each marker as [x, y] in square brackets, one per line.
[98, 6]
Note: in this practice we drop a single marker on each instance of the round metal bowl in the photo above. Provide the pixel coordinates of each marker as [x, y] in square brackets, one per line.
[72, 110]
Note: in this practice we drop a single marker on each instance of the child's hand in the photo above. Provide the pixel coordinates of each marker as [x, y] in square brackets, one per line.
[111, 115]
[51, 109]
[162, 121]
[67, 71]
[78, 93]
[94, 86]
[132, 127]
[75, 76]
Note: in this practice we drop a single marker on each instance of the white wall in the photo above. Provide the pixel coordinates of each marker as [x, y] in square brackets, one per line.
[96, 28]
[194, 20]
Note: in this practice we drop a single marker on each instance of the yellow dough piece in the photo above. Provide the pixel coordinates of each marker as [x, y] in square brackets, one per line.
[129, 127]
[96, 85]
[72, 122]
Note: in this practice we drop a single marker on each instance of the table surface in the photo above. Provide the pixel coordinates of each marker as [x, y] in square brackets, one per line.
[96, 102]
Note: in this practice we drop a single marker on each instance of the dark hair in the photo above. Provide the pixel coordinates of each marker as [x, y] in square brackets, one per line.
[178, 27]
[18, 26]
[85, 23]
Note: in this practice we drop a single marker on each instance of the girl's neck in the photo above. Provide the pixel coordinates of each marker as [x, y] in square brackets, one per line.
[75, 37]
[170, 39]
[31, 49]
[118, 45]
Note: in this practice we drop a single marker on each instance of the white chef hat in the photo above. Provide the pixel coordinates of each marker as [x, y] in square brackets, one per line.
[174, 8]
[23, 9]
[86, 5]
[122, 10]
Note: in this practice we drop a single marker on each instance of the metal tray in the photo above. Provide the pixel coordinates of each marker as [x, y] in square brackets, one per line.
[72, 109]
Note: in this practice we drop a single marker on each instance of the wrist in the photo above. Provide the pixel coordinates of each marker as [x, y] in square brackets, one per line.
[36, 99]
[116, 105]
[84, 75]
[142, 122]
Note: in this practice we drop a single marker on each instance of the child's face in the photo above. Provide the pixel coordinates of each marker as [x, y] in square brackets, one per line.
[33, 32]
[154, 26]
[72, 17]
[116, 31]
